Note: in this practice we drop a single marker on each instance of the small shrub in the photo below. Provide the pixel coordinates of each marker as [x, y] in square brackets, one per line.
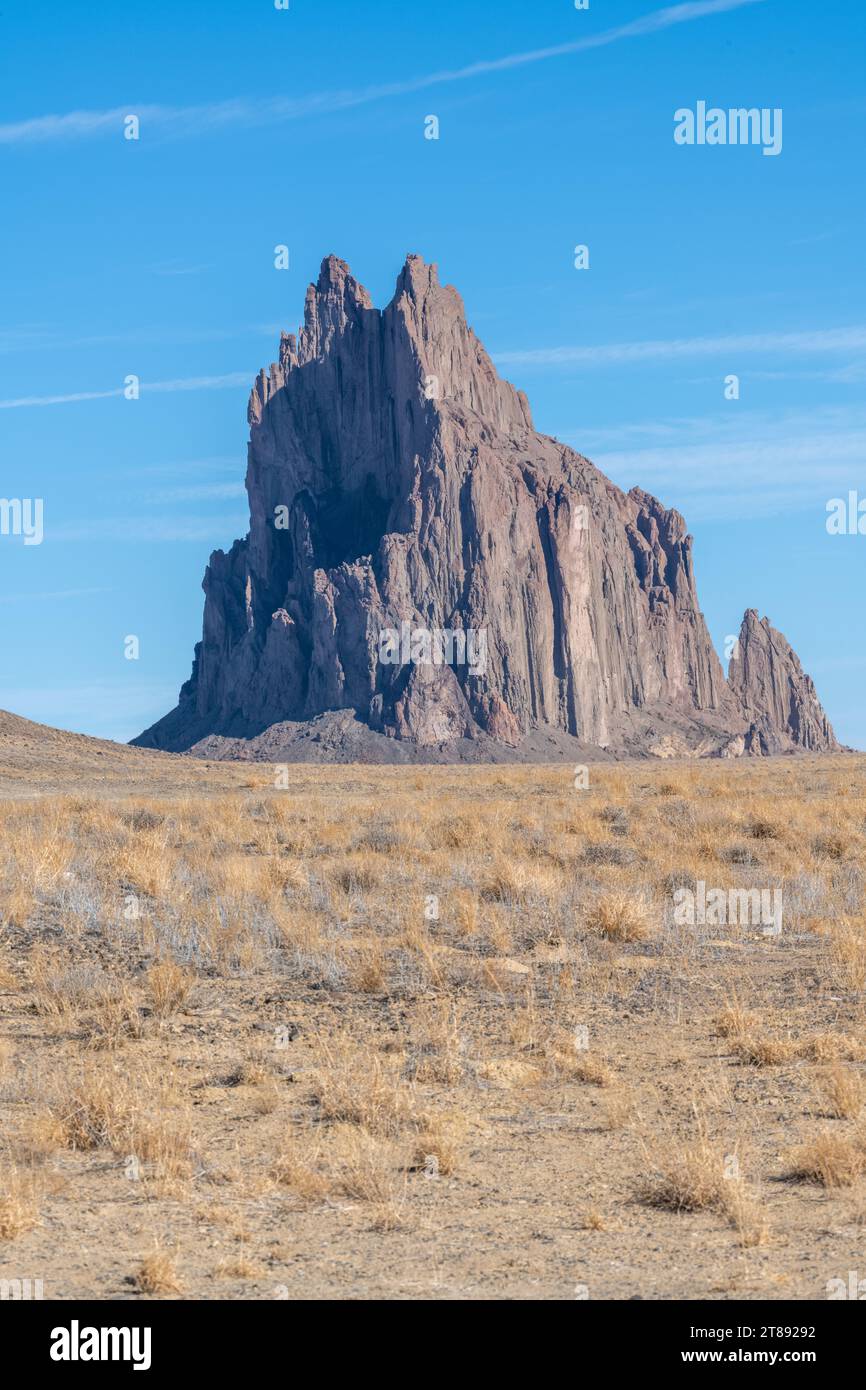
[620, 917]
[829, 1159]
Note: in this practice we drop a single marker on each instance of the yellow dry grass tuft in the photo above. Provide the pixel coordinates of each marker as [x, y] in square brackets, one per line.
[353, 1087]
[157, 1274]
[830, 1159]
[621, 916]
[168, 985]
[842, 1090]
[19, 1209]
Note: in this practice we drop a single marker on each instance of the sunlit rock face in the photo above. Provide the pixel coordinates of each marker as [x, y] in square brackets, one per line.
[395, 482]
[775, 695]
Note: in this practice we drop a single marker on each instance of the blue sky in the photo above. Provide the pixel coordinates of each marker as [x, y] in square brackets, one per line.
[306, 127]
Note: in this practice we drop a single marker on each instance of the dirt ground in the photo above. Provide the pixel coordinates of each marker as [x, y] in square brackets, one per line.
[427, 1033]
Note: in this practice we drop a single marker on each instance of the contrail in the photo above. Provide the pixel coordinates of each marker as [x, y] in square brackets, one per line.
[198, 120]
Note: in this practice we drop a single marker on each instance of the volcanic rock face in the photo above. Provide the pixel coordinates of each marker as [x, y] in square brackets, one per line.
[777, 698]
[396, 486]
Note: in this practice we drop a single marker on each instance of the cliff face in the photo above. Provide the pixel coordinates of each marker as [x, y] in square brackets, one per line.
[776, 697]
[396, 488]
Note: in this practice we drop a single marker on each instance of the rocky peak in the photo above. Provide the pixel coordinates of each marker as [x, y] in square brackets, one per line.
[775, 695]
[334, 304]
[453, 364]
[395, 483]
[417, 278]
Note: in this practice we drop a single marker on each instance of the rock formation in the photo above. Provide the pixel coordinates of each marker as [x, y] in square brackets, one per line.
[775, 695]
[426, 576]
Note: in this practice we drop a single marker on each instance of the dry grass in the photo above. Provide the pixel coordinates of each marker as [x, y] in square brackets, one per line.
[593, 1219]
[139, 1116]
[19, 1209]
[95, 1112]
[368, 1170]
[848, 955]
[157, 1274]
[298, 1172]
[594, 1071]
[842, 1090]
[168, 986]
[353, 1087]
[830, 1159]
[238, 1267]
[400, 1000]
[765, 1052]
[745, 1212]
[686, 1177]
[698, 1176]
[620, 917]
[735, 1021]
[620, 1108]
[438, 1145]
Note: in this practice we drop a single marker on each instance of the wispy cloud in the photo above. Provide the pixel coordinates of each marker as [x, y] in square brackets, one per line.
[216, 530]
[201, 383]
[202, 119]
[850, 339]
[850, 375]
[217, 463]
[37, 337]
[726, 426]
[187, 383]
[56, 596]
[733, 466]
[21, 402]
[196, 492]
[828, 340]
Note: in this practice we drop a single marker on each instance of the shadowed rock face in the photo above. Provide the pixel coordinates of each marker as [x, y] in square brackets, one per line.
[394, 478]
[777, 698]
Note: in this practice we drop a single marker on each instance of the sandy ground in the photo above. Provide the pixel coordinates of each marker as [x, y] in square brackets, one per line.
[550, 1182]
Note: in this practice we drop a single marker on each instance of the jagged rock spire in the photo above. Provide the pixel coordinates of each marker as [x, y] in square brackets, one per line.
[775, 695]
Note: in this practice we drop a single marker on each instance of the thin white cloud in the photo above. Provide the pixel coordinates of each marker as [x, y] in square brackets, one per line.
[217, 530]
[849, 339]
[58, 594]
[201, 383]
[813, 460]
[21, 402]
[729, 426]
[850, 375]
[197, 120]
[218, 463]
[198, 492]
[826, 340]
[38, 337]
[747, 464]
[187, 383]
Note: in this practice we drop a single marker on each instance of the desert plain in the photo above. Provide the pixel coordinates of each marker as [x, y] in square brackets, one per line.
[409, 1032]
